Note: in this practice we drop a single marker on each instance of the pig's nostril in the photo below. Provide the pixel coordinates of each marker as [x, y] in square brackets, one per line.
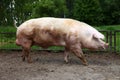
[106, 45]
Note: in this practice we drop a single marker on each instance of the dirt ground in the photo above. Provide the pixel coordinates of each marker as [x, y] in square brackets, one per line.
[51, 66]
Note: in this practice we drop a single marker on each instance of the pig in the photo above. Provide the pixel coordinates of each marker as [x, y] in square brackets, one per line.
[69, 33]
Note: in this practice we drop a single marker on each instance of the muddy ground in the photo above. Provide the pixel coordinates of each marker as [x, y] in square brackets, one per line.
[51, 66]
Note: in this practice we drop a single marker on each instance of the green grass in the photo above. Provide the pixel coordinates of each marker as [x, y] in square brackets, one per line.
[117, 41]
[110, 27]
[7, 29]
[7, 41]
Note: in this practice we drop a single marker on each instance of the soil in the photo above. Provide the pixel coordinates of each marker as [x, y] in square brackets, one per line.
[51, 66]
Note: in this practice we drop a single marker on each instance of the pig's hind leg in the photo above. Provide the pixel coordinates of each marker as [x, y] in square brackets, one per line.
[26, 50]
[66, 55]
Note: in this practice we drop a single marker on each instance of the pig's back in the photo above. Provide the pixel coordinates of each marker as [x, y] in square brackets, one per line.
[89, 31]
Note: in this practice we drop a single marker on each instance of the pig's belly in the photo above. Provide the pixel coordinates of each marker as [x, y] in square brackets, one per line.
[48, 43]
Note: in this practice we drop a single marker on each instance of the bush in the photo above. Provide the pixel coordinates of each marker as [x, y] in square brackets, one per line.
[49, 8]
[88, 11]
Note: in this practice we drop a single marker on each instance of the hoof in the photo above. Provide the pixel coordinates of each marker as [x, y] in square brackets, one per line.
[66, 61]
[85, 64]
[23, 58]
[29, 61]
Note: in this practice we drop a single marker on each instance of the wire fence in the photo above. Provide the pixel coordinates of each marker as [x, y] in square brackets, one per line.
[7, 42]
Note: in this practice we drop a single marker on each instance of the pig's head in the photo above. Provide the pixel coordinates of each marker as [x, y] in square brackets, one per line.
[97, 43]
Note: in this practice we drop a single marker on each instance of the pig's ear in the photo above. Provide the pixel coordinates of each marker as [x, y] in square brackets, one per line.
[95, 36]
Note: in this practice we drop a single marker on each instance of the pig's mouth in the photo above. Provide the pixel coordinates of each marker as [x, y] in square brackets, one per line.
[105, 46]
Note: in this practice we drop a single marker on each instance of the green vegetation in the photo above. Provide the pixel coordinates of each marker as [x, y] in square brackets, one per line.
[118, 42]
[7, 41]
[111, 27]
[7, 29]
[93, 12]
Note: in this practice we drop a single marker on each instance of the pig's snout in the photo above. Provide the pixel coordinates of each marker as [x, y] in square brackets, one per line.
[105, 46]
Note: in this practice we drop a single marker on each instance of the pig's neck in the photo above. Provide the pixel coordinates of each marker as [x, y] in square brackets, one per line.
[86, 43]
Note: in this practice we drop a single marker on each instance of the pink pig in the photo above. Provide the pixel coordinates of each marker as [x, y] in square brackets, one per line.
[72, 34]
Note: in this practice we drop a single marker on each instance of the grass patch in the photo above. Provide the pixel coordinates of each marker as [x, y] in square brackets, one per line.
[7, 41]
[7, 29]
[110, 27]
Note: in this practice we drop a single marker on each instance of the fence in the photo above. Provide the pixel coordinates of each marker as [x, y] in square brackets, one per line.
[7, 42]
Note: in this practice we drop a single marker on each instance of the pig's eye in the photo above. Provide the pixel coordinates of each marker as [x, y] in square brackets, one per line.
[96, 39]
[102, 39]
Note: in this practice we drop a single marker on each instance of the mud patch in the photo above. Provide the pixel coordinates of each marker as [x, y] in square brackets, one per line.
[51, 66]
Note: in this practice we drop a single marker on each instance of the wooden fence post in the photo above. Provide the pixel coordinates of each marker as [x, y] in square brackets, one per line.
[115, 41]
[110, 34]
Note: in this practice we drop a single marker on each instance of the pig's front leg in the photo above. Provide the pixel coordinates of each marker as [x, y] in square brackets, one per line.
[26, 50]
[76, 49]
[26, 54]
